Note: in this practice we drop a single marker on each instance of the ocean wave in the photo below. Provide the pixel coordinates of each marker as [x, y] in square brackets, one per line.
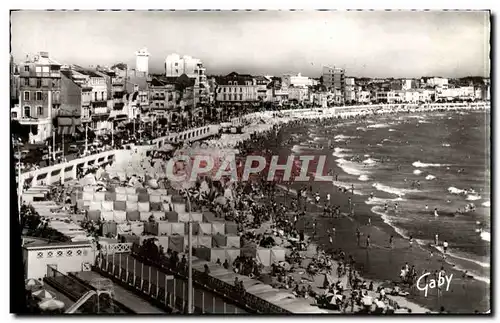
[423, 121]
[347, 186]
[486, 204]
[457, 191]
[379, 145]
[296, 149]
[417, 172]
[339, 152]
[393, 190]
[430, 177]
[445, 145]
[486, 236]
[350, 168]
[419, 164]
[381, 201]
[379, 211]
[369, 161]
[363, 178]
[367, 155]
[342, 137]
[361, 128]
[473, 197]
[391, 130]
[379, 125]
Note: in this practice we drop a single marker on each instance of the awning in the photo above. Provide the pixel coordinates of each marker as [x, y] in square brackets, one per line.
[66, 130]
[69, 121]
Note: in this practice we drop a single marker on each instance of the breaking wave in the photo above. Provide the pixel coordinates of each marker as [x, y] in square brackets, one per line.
[486, 204]
[473, 197]
[363, 178]
[430, 177]
[457, 191]
[350, 168]
[392, 190]
[419, 164]
[417, 172]
[338, 152]
[369, 161]
[379, 125]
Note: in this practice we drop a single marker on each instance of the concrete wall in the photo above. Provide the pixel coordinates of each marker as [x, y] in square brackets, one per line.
[188, 135]
[65, 171]
[65, 258]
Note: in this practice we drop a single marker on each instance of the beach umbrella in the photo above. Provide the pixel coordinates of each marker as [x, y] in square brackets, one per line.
[43, 294]
[32, 284]
[51, 304]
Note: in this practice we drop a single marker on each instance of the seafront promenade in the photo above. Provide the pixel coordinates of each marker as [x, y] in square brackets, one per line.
[263, 121]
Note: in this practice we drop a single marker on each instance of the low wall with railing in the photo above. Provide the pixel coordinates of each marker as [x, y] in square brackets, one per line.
[188, 135]
[65, 171]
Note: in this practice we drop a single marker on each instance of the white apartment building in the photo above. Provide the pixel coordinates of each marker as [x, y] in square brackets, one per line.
[439, 82]
[296, 80]
[142, 60]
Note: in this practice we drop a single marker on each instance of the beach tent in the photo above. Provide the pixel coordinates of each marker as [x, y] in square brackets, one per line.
[107, 215]
[202, 253]
[218, 254]
[163, 241]
[131, 238]
[176, 243]
[107, 205]
[277, 254]
[231, 254]
[151, 228]
[143, 206]
[155, 206]
[183, 217]
[88, 179]
[248, 251]
[119, 216]
[166, 198]
[121, 190]
[179, 207]
[95, 205]
[99, 196]
[88, 188]
[155, 198]
[172, 216]
[218, 228]
[133, 215]
[109, 196]
[120, 205]
[164, 228]
[178, 228]
[137, 228]
[121, 197]
[158, 215]
[143, 197]
[176, 198]
[144, 216]
[123, 229]
[141, 190]
[208, 217]
[219, 241]
[167, 207]
[132, 198]
[88, 196]
[86, 204]
[264, 256]
[109, 228]
[94, 215]
[233, 241]
[132, 206]
[204, 241]
[152, 191]
[231, 228]
[196, 217]
[131, 191]
[196, 229]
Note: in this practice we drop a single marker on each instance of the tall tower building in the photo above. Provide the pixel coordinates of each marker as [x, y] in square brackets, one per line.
[142, 60]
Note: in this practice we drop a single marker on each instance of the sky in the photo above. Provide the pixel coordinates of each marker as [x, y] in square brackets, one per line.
[365, 43]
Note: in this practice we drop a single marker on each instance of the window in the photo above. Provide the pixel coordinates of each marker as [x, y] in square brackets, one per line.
[38, 69]
[95, 96]
[102, 96]
[26, 95]
[13, 115]
[224, 90]
[176, 71]
[39, 96]
[27, 112]
[241, 97]
[176, 64]
[225, 96]
[27, 81]
[39, 111]
[241, 89]
[45, 69]
[26, 68]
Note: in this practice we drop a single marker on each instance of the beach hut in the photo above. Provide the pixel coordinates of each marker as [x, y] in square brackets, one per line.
[218, 228]
[155, 198]
[109, 228]
[120, 190]
[231, 228]
[264, 256]
[164, 228]
[121, 197]
[158, 215]
[119, 216]
[109, 196]
[176, 243]
[94, 215]
[132, 198]
[155, 206]
[205, 229]
[219, 241]
[163, 241]
[202, 253]
[144, 216]
[99, 196]
[217, 254]
[233, 241]
[133, 215]
[178, 228]
[143, 206]
[204, 241]
[232, 254]
[172, 216]
[107, 205]
[95, 205]
[132, 206]
[107, 215]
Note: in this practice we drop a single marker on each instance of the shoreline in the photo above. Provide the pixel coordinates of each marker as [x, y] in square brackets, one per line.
[367, 211]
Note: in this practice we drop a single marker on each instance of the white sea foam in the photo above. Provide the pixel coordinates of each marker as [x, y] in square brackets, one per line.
[350, 168]
[486, 236]
[339, 152]
[369, 161]
[379, 125]
[423, 121]
[392, 190]
[417, 172]
[342, 137]
[379, 211]
[382, 201]
[391, 130]
[419, 164]
[486, 204]
[472, 197]
[347, 186]
[361, 128]
[379, 145]
[430, 177]
[445, 145]
[367, 155]
[296, 149]
[363, 178]
[457, 191]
